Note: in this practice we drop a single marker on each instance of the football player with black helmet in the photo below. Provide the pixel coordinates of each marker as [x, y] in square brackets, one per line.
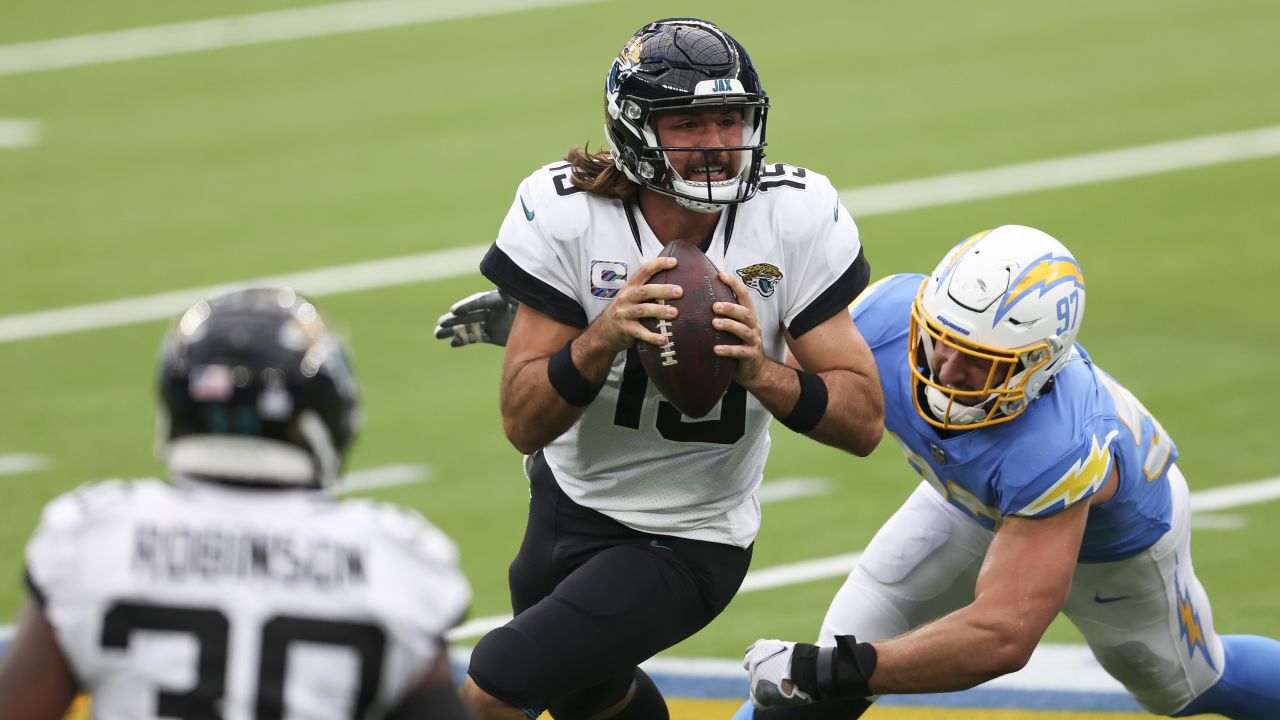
[241, 588]
[641, 520]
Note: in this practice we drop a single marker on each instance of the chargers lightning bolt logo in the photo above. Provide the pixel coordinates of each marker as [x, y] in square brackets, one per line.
[1189, 622]
[528, 214]
[1046, 272]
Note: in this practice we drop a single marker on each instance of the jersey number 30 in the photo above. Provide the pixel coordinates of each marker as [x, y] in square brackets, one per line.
[211, 631]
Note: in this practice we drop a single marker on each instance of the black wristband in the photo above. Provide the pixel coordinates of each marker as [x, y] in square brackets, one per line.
[810, 406]
[842, 671]
[568, 381]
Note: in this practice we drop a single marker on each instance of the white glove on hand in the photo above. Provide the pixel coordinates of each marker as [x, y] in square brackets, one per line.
[768, 664]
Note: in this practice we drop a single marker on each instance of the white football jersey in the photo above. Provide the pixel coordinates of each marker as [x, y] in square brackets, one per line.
[191, 599]
[632, 455]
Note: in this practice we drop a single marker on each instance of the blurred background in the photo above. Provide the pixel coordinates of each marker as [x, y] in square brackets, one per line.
[146, 166]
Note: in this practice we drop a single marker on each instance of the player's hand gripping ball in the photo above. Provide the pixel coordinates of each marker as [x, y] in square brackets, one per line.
[686, 370]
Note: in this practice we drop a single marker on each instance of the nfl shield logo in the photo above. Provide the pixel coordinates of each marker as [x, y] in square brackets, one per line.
[939, 456]
[607, 278]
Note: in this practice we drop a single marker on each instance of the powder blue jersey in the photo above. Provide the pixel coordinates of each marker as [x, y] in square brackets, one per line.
[1057, 453]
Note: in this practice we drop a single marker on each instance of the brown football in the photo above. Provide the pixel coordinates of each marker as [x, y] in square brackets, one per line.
[686, 370]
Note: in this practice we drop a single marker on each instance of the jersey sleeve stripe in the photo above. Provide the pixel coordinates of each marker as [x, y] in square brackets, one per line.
[834, 299]
[499, 268]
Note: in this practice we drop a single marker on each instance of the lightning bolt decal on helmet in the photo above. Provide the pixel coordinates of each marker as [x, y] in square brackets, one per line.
[1012, 297]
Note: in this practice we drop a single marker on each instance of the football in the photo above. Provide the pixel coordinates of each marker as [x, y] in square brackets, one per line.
[686, 370]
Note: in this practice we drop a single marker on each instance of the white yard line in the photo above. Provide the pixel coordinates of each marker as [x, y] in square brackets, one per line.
[18, 133]
[784, 489]
[255, 29]
[1139, 161]
[864, 202]
[1233, 496]
[18, 463]
[383, 477]
[325, 281]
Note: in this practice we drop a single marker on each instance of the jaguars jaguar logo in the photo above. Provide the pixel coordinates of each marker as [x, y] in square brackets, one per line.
[761, 277]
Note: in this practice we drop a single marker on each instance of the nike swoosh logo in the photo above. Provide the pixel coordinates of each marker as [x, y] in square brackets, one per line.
[660, 546]
[528, 214]
[1100, 599]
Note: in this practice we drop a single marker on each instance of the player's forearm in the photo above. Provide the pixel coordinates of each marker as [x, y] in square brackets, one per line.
[853, 416]
[959, 651]
[534, 412]
[854, 420]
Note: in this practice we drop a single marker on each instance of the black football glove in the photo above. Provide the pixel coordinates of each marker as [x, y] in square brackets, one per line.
[485, 317]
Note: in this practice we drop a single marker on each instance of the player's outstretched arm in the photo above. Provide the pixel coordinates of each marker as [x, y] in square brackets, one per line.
[1023, 584]
[832, 395]
[484, 317]
[35, 679]
[552, 371]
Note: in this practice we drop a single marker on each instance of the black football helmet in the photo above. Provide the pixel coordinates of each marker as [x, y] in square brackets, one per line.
[674, 64]
[255, 388]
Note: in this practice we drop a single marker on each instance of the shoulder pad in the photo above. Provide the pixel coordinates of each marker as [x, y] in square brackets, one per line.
[92, 500]
[550, 201]
[409, 530]
[799, 199]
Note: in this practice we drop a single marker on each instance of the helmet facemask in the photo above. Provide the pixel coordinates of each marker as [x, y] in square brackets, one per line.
[1002, 397]
[1009, 301]
[692, 66]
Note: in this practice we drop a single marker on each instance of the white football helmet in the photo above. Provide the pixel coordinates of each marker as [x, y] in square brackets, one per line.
[1013, 297]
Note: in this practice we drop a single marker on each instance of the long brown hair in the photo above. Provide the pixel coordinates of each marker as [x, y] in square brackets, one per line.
[595, 173]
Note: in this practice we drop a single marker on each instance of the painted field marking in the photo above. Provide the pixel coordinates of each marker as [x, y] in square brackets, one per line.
[18, 133]
[865, 202]
[1233, 496]
[1139, 161]
[784, 489]
[18, 463]
[254, 29]
[439, 265]
[1218, 521]
[383, 477]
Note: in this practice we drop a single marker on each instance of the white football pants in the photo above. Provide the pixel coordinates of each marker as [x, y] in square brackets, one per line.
[1146, 618]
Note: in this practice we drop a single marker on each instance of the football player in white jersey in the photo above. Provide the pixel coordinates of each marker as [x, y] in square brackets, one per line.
[642, 520]
[242, 589]
[1047, 488]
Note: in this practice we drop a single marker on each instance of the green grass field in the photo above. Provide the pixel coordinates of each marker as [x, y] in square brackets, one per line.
[167, 173]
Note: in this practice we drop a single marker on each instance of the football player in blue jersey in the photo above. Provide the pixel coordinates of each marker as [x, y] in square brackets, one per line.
[1047, 487]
